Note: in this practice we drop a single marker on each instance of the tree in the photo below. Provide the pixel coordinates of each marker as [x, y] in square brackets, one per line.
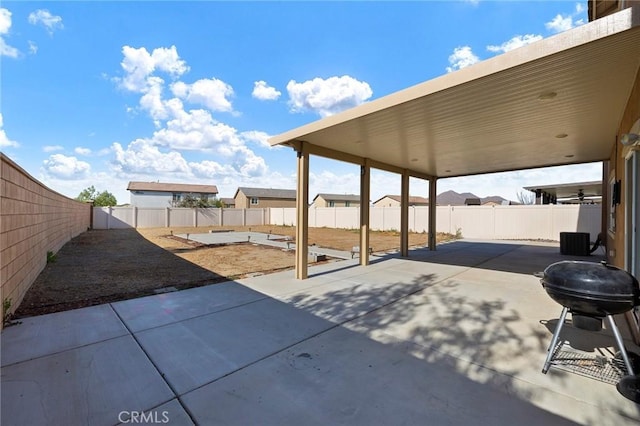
[100, 199]
[526, 197]
[190, 200]
[105, 199]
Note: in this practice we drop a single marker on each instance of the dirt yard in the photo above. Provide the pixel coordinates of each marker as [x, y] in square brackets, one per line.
[102, 266]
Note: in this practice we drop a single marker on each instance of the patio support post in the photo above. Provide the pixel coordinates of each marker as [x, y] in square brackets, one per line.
[302, 213]
[365, 189]
[432, 212]
[404, 215]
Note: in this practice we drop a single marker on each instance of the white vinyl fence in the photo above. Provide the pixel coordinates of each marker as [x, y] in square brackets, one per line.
[134, 217]
[544, 222]
[531, 222]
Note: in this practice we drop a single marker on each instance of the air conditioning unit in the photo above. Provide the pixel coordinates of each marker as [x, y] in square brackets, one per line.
[575, 243]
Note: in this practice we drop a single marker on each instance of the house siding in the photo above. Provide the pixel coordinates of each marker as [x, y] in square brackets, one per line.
[244, 202]
[151, 199]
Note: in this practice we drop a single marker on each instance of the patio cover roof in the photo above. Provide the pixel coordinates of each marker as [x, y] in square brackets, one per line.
[570, 190]
[557, 101]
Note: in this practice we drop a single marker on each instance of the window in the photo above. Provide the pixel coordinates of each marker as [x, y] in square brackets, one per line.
[254, 201]
[176, 197]
[332, 204]
[347, 203]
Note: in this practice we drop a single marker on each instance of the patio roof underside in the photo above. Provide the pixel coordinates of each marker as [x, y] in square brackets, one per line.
[557, 101]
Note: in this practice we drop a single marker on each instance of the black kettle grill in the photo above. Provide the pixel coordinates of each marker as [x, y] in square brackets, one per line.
[593, 291]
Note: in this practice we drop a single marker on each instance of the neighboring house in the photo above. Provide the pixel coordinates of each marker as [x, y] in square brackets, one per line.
[160, 194]
[472, 201]
[228, 203]
[568, 193]
[394, 201]
[247, 198]
[336, 200]
[452, 198]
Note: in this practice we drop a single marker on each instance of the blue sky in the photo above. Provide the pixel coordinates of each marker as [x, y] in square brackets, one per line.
[103, 93]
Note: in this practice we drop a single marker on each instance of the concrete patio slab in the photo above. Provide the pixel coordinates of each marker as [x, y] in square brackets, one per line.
[154, 311]
[197, 351]
[88, 385]
[52, 333]
[346, 377]
[171, 413]
[436, 339]
[230, 237]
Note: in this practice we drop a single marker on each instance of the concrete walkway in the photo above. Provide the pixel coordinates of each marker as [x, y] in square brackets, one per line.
[452, 337]
[279, 241]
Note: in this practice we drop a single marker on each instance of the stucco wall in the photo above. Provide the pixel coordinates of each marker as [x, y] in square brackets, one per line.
[33, 221]
[616, 240]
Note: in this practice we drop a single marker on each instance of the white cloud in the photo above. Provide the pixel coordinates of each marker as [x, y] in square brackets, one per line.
[82, 151]
[143, 157]
[63, 167]
[327, 97]
[264, 92]
[33, 48]
[260, 138]
[46, 19]
[4, 139]
[333, 183]
[461, 57]
[52, 148]
[179, 129]
[211, 93]
[515, 42]
[139, 64]
[5, 26]
[562, 23]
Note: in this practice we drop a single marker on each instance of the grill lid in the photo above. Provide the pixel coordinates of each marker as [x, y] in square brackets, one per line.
[591, 288]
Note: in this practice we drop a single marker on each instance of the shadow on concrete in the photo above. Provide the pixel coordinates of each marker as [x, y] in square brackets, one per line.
[359, 374]
[498, 256]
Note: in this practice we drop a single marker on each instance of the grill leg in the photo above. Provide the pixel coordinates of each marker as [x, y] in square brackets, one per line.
[620, 343]
[554, 341]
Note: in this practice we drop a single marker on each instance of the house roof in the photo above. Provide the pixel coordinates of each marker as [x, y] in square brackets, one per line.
[267, 193]
[570, 190]
[553, 102]
[412, 199]
[338, 197]
[228, 200]
[172, 187]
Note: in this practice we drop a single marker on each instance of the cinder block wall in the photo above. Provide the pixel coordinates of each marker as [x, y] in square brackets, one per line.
[33, 221]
